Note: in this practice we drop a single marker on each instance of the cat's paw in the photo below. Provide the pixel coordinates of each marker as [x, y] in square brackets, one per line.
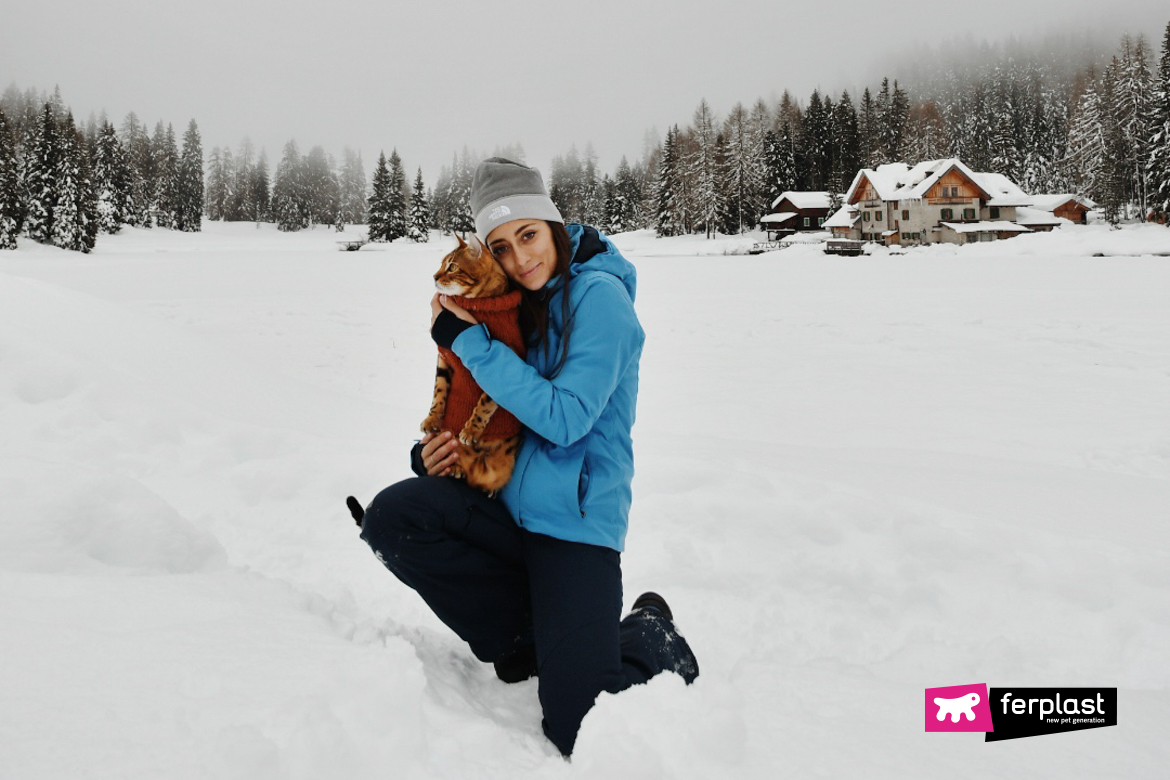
[467, 440]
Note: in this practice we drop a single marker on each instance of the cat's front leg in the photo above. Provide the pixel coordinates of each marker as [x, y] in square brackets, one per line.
[481, 415]
[434, 421]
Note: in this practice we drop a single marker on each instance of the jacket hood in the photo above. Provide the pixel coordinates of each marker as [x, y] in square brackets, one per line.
[594, 252]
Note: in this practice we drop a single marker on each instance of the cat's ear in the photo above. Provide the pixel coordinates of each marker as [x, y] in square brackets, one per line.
[462, 243]
[476, 246]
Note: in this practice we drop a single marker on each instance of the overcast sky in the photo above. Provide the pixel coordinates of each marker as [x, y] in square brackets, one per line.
[431, 77]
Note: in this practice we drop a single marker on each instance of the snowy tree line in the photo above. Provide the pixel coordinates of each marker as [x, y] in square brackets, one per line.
[1097, 129]
[63, 184]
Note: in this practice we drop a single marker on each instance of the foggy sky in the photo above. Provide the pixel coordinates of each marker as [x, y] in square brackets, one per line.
[431, 77]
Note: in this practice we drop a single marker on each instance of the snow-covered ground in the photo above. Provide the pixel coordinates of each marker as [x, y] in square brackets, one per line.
[857, 478]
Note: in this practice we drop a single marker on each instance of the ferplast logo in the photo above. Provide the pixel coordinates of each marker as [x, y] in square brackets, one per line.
[958, 708]
[1012, 713]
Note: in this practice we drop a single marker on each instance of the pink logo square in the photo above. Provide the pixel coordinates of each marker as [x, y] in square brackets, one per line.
[958, 708]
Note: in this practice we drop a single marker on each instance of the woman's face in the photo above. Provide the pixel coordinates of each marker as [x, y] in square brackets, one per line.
[525, 250]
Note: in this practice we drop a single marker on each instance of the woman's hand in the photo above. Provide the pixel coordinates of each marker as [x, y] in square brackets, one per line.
[439, 453]
[440, 302]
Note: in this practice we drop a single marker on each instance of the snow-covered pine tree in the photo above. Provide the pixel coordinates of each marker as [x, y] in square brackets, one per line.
[110, 180]
[11, 203]
[441, 201]
[290, 207]
[378, 212]
[868, 130]
[743, 168]
[261, 193]
[671, 220]
[41, 165]
[420, 213]
[701, 166]
[1113, 190]
[814, 155]
[1085, 156]
[240, 206]
[354, 190]
[166, 167]
[322, 190]
[1133, 99]
[140, 157]
[592, 190]
[462, 220]
[1158, 167]
[217, 186]
[626, 198]
[397, 203]
[190, 187]
[847, 140]
[74, 223]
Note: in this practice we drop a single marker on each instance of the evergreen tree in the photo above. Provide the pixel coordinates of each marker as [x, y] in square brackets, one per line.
[261, 194]
[671, 219]
[398, 212]
[41, 167]
[847, 156]
[441, 201]
[744, 169]
[702, 168]
[815, 152]
[166, 167]
[1086, 140]
[217, 186]
[623, 213]
[140, 158]
[1158, 167]
[74, 220]
[189, 190]
[110, 180]
[420, 217]
[461, 218]
[290, 204]
[378, 213]
[353, 188]
[11, 203]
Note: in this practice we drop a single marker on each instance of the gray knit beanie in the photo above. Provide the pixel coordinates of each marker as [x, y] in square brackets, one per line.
[502, 191]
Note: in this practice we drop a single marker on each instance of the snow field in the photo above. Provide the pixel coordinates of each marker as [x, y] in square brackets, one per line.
[857, 478]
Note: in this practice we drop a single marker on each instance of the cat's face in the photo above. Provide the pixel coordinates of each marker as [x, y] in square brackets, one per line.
[471, 272]
[526, 250]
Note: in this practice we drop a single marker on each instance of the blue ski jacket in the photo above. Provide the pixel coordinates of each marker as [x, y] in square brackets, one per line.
[573, 473]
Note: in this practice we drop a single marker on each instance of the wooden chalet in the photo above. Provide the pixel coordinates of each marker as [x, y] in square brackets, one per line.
[933, 201]
[793, 212]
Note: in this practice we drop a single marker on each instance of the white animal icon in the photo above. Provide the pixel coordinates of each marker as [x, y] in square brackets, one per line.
[954, 707]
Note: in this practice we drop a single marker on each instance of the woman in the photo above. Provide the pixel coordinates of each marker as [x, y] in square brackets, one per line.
[532, 580]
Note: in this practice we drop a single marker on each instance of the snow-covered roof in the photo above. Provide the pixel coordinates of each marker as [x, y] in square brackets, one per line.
[985, 227]
[844, 217]
[1051, 202]
[782, 216]
[899, 181]
[1004, 191]
[1033, 216]
[804, 200]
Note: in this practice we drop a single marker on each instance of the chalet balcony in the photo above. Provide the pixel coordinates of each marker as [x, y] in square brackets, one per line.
[949, 201]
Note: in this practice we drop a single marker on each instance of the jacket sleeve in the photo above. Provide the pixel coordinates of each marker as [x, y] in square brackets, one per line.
[606, 336]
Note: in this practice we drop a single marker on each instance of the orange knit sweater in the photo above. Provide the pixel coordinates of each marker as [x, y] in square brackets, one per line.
[501, 315]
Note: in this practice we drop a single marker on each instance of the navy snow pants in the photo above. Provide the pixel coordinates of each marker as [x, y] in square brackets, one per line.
[505, 590]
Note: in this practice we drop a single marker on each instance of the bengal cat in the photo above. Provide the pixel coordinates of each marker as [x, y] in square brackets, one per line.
[489, 437]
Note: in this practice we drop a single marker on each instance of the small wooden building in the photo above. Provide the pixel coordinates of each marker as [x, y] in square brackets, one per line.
[1074, 208]
[793, 212]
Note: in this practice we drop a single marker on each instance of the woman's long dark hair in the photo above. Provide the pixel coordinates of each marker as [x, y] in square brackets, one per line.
[534, 303]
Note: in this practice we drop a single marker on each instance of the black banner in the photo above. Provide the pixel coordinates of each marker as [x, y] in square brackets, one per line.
[1030, 712]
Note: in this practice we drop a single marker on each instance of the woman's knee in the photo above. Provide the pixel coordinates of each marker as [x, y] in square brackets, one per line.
[407, 508]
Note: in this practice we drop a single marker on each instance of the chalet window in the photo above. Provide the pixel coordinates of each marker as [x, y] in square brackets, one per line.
[820, 221]
[877, 216]
[968, 213]
[954, 192]
[865, 216]
[995, 212]
[807, 222]
[905, 214]
[948, 214]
